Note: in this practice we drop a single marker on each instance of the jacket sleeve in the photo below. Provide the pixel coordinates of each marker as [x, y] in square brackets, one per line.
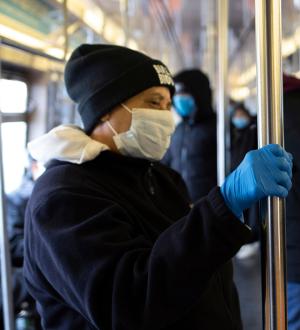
[89, 251]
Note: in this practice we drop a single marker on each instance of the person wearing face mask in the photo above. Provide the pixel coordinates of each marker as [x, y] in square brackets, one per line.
[243, 134]
[111, 238]
[188, 153]
[247, 270]
[244, 139]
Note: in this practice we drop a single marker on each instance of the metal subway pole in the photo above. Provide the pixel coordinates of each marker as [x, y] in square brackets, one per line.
[222, 88]
[66, 34]
[270, 128]
[222, 118]
[6, 271]
[262, 123]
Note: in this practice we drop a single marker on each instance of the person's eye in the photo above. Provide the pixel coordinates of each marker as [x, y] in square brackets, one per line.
[154, 103]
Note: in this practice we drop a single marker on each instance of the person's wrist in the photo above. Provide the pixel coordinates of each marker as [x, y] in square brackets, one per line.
[230, 204]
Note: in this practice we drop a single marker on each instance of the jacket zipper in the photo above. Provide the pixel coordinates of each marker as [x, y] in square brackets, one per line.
[150, 183]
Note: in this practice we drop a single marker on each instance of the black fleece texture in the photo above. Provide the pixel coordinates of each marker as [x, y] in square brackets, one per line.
[291, 108]
[114, 244]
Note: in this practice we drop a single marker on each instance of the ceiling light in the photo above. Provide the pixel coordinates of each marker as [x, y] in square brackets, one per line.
[94, 18]
[55, 52]
[239, 94]
[247, 76]
[20, 37]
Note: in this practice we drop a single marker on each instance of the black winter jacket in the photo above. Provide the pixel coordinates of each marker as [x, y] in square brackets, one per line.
[292, 145]
[242, 141]
[193, 153]
[113, 244]
[15, 212]
[193, 149]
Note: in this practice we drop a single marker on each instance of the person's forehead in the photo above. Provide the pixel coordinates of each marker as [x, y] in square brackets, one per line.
[241, 112]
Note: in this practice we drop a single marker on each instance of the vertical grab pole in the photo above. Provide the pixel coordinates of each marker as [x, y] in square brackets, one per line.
[262, 129]
[222, 118]
[261, 69]
[6, 272]
[269, 86]
[66, 34]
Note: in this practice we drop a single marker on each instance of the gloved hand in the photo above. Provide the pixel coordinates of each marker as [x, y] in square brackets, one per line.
[263, 172]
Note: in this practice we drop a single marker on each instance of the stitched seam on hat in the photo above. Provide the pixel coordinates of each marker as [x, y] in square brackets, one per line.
[116, 78]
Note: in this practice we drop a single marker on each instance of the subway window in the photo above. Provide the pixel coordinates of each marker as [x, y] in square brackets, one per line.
[13, 105]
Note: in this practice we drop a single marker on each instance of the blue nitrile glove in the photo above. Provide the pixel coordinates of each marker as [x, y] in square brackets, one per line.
[263, 172]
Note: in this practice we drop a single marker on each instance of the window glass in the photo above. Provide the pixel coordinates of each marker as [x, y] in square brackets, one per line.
[13, 96]
[14, 154]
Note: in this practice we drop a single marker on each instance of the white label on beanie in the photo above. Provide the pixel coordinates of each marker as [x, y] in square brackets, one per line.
[164, 75]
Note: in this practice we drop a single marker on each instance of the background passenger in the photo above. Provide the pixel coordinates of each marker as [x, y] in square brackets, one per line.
[16, 206]
[243, 134]
[247, 263]
[189, 153]
[111, 239]
[291, 107]
[16, 203]
[244, 139]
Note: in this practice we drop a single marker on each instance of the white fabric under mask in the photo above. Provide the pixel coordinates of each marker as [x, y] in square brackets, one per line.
[66, 143]
[149, 134]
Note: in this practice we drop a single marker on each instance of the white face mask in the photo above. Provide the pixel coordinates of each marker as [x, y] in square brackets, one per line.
[149, 134]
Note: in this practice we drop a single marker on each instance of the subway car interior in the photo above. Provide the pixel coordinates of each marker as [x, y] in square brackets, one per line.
[246, 74]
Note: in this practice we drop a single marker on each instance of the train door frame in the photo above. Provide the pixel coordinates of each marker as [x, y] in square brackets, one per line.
[6, 267]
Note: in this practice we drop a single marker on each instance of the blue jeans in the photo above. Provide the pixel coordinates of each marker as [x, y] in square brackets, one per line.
[293, 293]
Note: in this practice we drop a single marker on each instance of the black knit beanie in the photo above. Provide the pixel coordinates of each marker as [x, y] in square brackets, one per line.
[99, 77]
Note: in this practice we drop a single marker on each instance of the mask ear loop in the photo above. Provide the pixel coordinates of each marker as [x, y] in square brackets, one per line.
[112, 129]
[109, 124]
[126, 108]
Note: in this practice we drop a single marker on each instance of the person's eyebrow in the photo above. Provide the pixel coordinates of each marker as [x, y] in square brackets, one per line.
[156, 94]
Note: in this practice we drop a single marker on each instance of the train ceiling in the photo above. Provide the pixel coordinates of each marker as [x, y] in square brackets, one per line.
[180, 32]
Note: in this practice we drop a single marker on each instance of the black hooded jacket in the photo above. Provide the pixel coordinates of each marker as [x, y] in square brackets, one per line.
[242, 141]
[291, 106]
[193, 149]
[113, 244]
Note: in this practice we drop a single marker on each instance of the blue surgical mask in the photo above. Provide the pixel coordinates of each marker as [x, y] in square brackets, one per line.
[184, 105]
[240, 122]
